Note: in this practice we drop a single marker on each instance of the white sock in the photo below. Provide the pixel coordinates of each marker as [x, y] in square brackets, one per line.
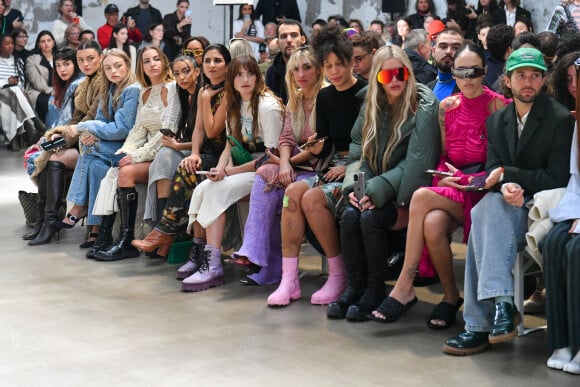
[573, 366]
[560, 357]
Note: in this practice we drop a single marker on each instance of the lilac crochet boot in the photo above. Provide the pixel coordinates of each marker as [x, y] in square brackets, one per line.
[262, 222]
[271, 273]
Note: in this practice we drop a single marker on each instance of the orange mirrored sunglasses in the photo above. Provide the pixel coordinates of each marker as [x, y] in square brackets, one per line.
[386, 76]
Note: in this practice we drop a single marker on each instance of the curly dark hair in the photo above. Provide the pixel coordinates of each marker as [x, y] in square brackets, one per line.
[331, 40]
[558, 80]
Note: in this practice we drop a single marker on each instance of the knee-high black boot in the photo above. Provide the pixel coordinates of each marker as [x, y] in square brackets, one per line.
[160, 206]
[105, 238]
[41, 203]
[54, 190]
[122, 248]
[356, 266]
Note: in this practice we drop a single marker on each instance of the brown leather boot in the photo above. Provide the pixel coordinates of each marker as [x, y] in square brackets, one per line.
[155, 240]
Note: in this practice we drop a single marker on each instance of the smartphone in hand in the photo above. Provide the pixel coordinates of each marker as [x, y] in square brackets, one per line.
[359, 185]
[439, 173]
[168, 132]
[310, 143]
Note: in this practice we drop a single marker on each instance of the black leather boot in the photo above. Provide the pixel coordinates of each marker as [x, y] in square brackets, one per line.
[105, 238]
[122, 248]
[355, 287]
[41, 203]
[38, 225]
[160, 205]
[370, 300]
[54, 189]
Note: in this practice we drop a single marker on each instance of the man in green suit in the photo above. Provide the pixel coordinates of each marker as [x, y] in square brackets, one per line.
[528, 151]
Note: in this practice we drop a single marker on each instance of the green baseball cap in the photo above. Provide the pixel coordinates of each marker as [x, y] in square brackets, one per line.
[525, 57]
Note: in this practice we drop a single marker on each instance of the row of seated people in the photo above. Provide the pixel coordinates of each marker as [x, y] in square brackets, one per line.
[35, 70]
[392, 130]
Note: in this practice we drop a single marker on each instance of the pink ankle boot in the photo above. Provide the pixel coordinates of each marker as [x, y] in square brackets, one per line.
[289, 289]
[335, 284]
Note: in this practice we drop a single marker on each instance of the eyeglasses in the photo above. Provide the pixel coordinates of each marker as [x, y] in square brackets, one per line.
[386, 76]
[468, 72]
[359, 58]
[195, 52]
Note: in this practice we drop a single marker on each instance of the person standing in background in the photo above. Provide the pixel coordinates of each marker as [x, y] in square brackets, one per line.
[142, 15]
[277, 10]
[177, 27]
[13, 17]
[105, 32]
[68, 15]
[249, 27]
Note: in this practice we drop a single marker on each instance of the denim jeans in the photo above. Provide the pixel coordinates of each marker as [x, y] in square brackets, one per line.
[497, 234]
[86, 181]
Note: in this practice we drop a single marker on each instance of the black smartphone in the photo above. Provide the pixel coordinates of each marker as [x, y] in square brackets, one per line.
[359, 185]
[168, 132]
[53, 144]
[477, 183]
[310, 143]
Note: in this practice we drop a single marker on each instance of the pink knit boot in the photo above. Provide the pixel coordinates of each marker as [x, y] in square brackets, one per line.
[289, 289]
[335, 284]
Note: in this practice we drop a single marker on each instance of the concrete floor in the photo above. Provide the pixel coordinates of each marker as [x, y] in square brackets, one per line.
[69, 321]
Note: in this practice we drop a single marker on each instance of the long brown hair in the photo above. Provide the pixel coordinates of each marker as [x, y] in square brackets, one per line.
[234, 99]
[166, 73]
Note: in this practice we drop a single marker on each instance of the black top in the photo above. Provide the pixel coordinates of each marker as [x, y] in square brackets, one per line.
[270, 9]
[144, 17]
[275, 77]
[336, 112]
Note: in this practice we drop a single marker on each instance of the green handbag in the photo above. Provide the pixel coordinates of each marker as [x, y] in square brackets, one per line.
[240, 155]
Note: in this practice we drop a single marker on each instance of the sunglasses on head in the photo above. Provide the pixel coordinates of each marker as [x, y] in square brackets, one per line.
[468, 73]
[349, 32]
[194, 52]
[386, 76]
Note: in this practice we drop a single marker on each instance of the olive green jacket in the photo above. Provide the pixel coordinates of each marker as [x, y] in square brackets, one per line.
[418, 150]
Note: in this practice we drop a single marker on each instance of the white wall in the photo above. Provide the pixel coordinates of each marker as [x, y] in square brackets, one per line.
[213, 21]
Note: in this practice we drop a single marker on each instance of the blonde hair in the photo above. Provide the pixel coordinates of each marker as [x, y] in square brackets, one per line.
[129, 79]
[377, 104]
[295, 94]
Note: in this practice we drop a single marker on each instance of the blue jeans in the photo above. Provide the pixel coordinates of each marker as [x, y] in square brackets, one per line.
[86, 181]
[497, 234]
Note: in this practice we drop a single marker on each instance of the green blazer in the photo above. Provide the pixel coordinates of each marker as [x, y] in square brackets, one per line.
[540, 158]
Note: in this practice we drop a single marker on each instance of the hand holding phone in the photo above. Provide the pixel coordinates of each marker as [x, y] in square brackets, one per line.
[359, 185]
[168, 132]
[311, 143]
[438, 173]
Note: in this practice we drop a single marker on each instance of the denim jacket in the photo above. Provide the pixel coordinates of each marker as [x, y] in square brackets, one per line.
[112, 133]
